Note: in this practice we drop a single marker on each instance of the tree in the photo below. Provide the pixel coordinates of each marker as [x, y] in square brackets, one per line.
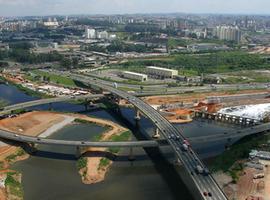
[66, 63]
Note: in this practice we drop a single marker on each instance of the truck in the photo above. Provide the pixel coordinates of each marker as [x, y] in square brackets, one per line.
[258, 176]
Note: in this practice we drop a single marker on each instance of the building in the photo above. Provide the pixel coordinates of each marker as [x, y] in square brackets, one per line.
[51, 24]
[263, 155]
[4, 46]
[90, 33]
[206, 47]
[103, 35]
[229, 33]
[134, 76]
[161, 72]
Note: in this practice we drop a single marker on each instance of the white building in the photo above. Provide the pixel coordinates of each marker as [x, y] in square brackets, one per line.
[103, 35]
[135, 76]
[161, 72]
[90, 33]
[229, 33]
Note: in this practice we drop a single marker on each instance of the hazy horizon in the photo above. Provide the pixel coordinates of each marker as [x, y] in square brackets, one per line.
[107, 7]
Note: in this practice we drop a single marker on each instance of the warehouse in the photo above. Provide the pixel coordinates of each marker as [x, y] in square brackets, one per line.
[161, 72]
[134, 76]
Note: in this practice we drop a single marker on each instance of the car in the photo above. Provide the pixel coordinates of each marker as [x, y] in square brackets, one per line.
[16, 135]
[206, 172]
[82, 142]
[192, 173]
[205, 194]
[209, 194]
[177, 148]
[177, 137]
[38, 139]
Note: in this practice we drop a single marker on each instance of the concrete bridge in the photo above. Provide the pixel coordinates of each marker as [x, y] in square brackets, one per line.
[226, 118]
[9, 109]
[189, 160]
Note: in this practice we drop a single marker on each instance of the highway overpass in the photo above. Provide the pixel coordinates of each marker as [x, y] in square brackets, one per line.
[29, 104]
[37, 140]
[189, 159]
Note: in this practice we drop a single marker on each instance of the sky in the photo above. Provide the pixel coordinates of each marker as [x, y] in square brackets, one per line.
[66, 7]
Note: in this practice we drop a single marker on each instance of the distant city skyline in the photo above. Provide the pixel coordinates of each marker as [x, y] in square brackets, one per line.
[70, 7]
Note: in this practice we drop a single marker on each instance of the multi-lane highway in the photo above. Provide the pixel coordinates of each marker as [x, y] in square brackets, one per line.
[205, 183]
[10, 108]
[37, 140]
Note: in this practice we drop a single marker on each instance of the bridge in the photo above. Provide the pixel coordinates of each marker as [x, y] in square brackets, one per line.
[11, 108]
[189, 159]
[227, 118]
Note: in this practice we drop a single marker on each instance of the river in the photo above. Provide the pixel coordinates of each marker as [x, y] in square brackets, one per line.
[52, 174]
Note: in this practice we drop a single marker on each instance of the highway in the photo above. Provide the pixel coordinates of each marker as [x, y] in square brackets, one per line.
[37, 140]
[233, 134]
[11, 108]
[189, 159]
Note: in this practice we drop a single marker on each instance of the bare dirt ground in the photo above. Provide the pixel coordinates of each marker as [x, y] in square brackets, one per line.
[31, 124]
[189, 98]
[247, 187]
[38, 122]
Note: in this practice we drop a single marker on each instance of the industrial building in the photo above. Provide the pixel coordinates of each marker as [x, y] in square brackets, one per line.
[161, 72]
[134, 76]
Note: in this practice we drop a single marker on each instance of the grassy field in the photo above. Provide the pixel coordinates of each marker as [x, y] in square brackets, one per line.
[55, 78]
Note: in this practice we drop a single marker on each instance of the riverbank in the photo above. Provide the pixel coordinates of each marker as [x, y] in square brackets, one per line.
[234, 177]
[95, 162]
[43, 124]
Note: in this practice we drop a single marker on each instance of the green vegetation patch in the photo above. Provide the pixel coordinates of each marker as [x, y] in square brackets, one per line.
[81, 163]
[119, 138]
[230, 160]
[3, 103]
[12, 157]
[104, 162]
[13, 185]
[55, 78]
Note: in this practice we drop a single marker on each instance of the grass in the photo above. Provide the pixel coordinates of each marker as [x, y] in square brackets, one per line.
[14, 186]
[3, 103]
[32, 92]
[20, 152]
[230, 160]
[119, 138]
[104, 162]
[55, 78]
[81, 163]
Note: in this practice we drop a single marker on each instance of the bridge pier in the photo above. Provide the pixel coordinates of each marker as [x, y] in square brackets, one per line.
[131, 156]
[33, 147]
[50, 106]
[78, 152]
[156, 135]
[137, 116]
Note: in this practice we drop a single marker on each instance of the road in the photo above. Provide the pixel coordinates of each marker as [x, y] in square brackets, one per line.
[189, 159]
[11, 108]
[37, 140]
